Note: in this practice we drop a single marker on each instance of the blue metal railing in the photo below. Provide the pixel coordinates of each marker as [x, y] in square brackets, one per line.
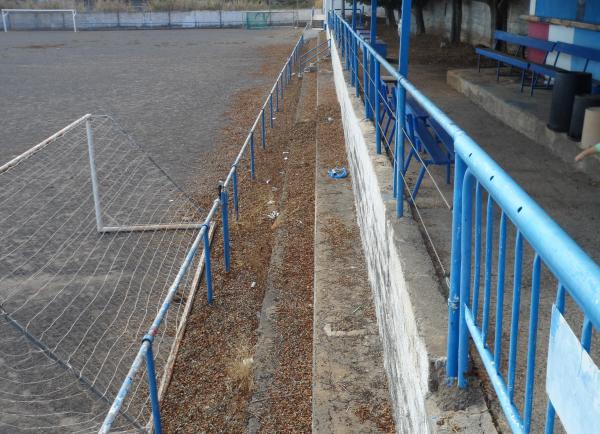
[231, 182]
[476, 174]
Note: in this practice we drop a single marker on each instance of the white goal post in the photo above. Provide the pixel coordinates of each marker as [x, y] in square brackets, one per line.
[6, 12]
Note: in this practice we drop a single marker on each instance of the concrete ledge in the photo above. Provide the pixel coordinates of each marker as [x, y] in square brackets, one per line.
[525, 114]
[411, 311]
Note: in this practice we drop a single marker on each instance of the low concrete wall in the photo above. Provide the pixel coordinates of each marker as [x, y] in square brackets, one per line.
[149, 20]
[411, 311]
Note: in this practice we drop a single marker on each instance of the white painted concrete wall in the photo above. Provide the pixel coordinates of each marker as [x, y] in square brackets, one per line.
[149, 20]
[405, 355]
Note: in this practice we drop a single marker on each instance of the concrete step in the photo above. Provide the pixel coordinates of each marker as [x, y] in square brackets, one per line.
[520, 111]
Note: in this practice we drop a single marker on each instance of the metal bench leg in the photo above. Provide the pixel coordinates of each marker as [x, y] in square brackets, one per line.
[479, 63]
[448, 171]
[498, 72]
[408, 160]
[533, 80]
[419, 180]
[522, 79]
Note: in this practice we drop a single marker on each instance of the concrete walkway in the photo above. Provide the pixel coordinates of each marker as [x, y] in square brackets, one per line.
[570, 197]
[350, 393]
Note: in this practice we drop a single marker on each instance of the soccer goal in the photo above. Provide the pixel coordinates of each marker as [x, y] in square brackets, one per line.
[42, 19]
[263, 19]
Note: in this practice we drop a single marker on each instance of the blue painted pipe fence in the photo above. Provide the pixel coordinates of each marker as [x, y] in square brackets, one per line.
[477, 175]
[145, 352]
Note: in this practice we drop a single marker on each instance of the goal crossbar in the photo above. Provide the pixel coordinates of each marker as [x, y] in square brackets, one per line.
[5, 13]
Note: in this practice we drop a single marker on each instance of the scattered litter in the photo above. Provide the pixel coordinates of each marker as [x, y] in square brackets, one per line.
[253, 284]
[271, 202]
[285, 158]
[273, 215]
[286, 152]
[171, 200]
[330, 119]
[273, 118]
[268, 181]
[274, 189]
[337, 172]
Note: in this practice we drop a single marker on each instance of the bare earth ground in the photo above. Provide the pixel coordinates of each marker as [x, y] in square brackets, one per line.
[211, 385]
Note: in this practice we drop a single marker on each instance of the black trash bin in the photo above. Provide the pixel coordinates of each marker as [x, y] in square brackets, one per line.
[567, 84]
[581, 103]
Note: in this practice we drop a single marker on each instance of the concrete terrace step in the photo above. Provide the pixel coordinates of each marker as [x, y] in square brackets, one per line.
[524, 113]
[350, 392]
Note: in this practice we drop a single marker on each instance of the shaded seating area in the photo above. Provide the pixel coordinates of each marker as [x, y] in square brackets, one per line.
[519, 59]
[429, 143]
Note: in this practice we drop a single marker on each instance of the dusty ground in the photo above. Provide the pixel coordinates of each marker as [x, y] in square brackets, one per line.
[212, 383]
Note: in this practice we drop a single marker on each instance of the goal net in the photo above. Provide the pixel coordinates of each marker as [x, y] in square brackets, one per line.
[263, 19]
[39, 19]
[75, 301]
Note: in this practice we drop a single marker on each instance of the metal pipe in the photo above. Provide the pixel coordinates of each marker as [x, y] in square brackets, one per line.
[28, 153]
[252, 174]
[225, 220]
[157, 227]
[93, 175]
[152, 389]
[465, 275]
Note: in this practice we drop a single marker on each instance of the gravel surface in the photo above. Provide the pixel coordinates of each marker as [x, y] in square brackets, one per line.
[170, 89]
[207, 392]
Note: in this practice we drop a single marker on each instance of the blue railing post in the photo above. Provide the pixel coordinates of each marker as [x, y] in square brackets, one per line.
[152, 387]
[355, 58]
[399, 148]
[455, 256]
[377, 109]
[277, 96]
[365, 53]
[262, 128]
[225, 221]
[372, 85]
[207, 267]
[271, 109]
[234, 180]
[354, 12]
[252, 174]
[465, 277]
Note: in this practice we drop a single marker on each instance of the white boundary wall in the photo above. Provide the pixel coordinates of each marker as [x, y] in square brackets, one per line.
[150, 20]
[405, 353]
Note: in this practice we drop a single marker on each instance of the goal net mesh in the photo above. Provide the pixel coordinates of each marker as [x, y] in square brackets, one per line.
[76, 302]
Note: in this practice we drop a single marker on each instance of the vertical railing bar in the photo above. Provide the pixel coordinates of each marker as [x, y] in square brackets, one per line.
[225, 222]
[399, 148]
[152, 387]
[377, 110]
[263, 129]
[586, 334]
[455, 262]
[500, 292]
[532, 342]
[514, 324]
[477, 270]
[271, 109]
[207, 266]
[252, 173]
[235, 194]
[465, 274]
[487, 284]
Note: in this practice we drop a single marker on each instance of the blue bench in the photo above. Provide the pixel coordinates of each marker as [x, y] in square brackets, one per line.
[586, 53]
[424, 133]
[516, 60]
[427, 134]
